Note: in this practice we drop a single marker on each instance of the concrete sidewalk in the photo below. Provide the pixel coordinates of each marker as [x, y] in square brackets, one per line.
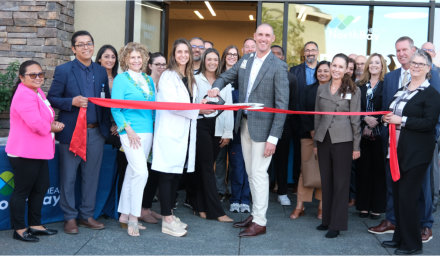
[284, 236]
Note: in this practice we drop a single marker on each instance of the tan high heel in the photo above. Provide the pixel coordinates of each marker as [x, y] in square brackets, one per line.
[297, 213]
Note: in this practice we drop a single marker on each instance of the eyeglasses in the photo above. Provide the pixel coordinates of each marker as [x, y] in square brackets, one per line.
[162, 65]
[232, 55]
[34, 75]
[428, 50]
[82, 46]
[201, 47]
[416, 64]
[310, 51]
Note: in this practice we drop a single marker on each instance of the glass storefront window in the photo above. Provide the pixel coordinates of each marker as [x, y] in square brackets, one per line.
[353, 29]
[147, 25]
[437, 36]
[404, 21]
[272, 13]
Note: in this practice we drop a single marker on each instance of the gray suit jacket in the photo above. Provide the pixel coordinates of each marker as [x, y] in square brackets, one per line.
[340, 128]
[271, 87]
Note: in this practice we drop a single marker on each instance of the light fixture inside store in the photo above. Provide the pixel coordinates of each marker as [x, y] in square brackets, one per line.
[251, 17]
[210, 8]
[199, 15]
[149, 6]
[301, 13]
[406, 15]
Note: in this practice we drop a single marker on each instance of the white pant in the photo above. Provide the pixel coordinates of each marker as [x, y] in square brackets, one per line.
[136, 174]
[256, 169]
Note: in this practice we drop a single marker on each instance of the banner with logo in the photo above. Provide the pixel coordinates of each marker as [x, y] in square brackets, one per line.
[51, 211]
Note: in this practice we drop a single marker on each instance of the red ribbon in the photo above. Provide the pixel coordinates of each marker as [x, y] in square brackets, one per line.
[78, 144]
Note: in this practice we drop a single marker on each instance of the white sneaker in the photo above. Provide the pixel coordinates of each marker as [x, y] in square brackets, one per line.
[245, 208]
[181, 223]
[173, 228]
[284, 200]
[235, 207]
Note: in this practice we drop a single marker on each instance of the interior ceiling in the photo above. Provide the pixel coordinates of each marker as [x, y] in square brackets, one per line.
[225, 11]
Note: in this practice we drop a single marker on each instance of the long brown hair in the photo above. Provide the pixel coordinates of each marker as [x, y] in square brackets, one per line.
[366, 75]
[347, 84]
[189, 71]
[203, 62]
[224, 55]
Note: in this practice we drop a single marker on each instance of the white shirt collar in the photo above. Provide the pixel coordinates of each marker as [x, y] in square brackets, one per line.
[262, 58]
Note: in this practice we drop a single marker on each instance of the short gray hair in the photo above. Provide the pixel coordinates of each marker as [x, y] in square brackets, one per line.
[406, 38]
[424, 55]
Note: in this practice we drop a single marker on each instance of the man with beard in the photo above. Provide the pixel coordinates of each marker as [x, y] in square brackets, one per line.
[198, 48]
[304, 74]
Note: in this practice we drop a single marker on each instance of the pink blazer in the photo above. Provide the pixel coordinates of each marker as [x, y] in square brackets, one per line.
[30, 124]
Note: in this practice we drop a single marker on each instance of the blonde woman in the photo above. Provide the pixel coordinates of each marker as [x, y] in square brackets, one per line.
[135, 127]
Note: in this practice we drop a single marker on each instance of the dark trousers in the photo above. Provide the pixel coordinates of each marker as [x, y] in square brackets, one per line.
[168, 183]
[335, 164]
[406, 193]
[207, 148]
[280, 160]
[240, 191]
[31, 177]
[90, 169]
[370, 177]
[151, 188]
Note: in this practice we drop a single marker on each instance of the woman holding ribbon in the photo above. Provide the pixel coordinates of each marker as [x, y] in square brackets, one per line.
[337, 139]
[370, 173]
[415, 111]
[213, 132]
[175, 132]
[30, 145]
[135, 127]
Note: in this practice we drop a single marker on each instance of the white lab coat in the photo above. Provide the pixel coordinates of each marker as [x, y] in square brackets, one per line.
[172, 127]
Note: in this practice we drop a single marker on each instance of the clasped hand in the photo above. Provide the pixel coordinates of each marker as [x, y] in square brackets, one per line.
[205, 111]
[56, 126]
[392, 119]
[80, 101]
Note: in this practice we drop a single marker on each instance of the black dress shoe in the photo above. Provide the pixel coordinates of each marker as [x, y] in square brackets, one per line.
[45, 232]
[27, 237]
[332, 233]
[364, 214]
[408, 252]
[322, 227]
[390, 244]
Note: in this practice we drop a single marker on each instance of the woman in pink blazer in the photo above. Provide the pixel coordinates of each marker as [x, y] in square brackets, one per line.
[30, 144]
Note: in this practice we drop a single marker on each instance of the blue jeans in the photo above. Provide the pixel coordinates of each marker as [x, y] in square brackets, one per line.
[240, 191]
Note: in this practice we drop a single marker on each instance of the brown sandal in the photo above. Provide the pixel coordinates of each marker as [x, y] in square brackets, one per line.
[297, 213]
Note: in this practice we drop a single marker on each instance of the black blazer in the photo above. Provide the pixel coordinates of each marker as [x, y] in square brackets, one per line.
[417, 138]
[308, 104]
[377, 100]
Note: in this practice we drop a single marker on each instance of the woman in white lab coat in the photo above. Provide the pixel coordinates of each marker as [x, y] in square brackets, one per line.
[175, 132]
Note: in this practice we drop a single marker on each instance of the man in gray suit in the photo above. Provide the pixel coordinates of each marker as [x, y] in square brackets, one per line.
[262, 78]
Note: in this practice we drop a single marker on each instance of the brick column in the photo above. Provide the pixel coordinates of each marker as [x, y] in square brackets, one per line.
[37, 30]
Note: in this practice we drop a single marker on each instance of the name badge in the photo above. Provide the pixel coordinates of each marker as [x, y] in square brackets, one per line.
[243, 64]
[347, 96]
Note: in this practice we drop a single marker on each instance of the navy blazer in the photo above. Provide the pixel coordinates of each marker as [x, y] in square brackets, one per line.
[65, 86]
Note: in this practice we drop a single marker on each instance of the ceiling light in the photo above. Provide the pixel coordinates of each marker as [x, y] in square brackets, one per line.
[251, 17]
[304, 17]
[199, 15]
[149, 6]
[210, 8]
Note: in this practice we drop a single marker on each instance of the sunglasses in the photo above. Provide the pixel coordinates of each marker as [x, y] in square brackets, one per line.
[34, 75]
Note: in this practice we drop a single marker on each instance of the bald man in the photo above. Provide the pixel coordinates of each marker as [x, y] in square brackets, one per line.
[262, 78]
